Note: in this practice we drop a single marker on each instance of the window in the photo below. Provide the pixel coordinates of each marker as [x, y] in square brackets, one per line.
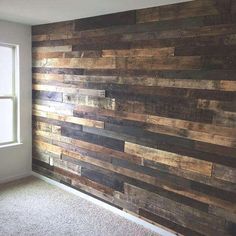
[8, 98]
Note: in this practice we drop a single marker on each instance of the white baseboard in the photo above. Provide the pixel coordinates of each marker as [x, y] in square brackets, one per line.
[13, 178]
[160, 231]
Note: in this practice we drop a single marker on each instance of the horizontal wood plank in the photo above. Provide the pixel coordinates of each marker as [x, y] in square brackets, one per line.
[169, 158]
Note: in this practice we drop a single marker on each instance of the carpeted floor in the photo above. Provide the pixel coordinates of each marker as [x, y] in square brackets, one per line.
[34, 207]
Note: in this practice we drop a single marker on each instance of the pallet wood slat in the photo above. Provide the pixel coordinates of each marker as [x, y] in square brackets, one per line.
[37, 50]
[69, 89]
[168, 158]
[70, 119]
[77, 63]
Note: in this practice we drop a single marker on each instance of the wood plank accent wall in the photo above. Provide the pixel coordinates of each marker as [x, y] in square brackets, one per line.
[139, 109]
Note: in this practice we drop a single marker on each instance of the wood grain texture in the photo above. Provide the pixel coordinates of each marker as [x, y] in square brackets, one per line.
[138, 109]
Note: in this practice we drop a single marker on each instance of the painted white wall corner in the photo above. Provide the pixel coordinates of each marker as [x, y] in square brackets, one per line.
[15, 160]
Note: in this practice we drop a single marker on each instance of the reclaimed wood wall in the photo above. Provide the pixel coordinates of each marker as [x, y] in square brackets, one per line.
[139, 109]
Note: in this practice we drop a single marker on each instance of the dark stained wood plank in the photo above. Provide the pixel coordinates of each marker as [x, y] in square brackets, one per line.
[109, 181]
[57, 28]
[176, 11]
[123, 18]
[96, 139]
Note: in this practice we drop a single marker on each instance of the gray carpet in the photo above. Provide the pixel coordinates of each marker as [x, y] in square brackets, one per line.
[34, 207]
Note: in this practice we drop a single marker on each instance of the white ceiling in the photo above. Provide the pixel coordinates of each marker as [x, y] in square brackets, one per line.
[34, 12]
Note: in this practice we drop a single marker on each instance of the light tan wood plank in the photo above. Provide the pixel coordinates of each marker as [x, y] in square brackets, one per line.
[71, 119]
[69, 89]
[66, 48]
[83, 63]
[168, 158]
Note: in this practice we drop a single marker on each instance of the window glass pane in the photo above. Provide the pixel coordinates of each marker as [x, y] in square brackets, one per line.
[6, 120]
[6, 70]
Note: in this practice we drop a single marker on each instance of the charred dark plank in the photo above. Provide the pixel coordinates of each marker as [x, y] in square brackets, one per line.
[107, 180]
[93, 138]
[59, 71]
[123, 18]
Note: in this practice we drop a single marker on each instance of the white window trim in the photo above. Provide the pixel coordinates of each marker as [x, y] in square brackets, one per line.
[14, 96]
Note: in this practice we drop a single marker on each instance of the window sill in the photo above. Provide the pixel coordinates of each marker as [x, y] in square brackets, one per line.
[9, 145]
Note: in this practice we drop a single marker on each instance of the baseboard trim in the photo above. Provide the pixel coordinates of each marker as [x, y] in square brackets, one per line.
[156, 229]
[13, 178]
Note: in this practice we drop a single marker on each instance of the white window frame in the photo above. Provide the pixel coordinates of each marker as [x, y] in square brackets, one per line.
[14, 95]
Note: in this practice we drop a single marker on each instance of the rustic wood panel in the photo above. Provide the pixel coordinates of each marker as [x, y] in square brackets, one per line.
[138, 109]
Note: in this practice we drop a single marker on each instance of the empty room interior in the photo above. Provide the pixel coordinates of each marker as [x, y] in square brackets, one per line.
[118, 118]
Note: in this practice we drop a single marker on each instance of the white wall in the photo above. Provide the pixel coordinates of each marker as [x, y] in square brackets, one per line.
[15, 161]
[44, 11]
